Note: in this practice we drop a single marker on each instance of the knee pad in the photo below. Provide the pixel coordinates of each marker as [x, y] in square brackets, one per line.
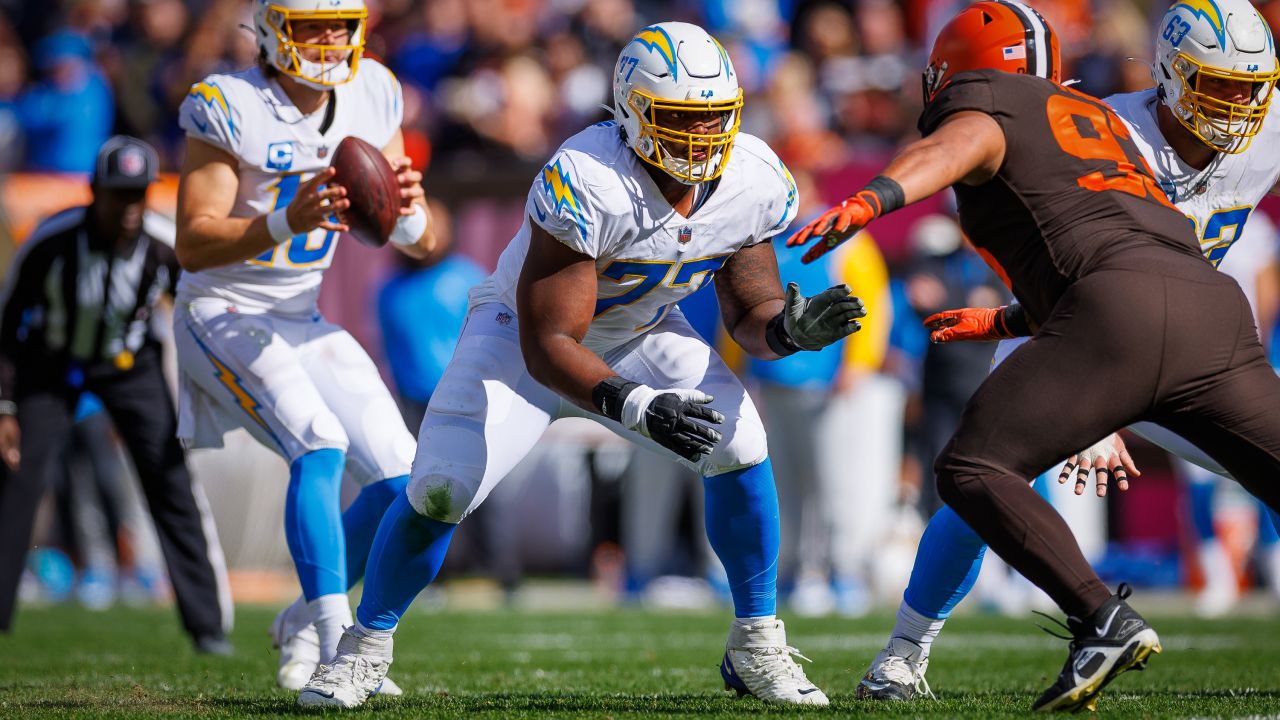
[441, 496]
[747, 446]
[445, 489]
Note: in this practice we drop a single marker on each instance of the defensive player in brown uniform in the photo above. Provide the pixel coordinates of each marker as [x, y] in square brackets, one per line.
[1130, 322]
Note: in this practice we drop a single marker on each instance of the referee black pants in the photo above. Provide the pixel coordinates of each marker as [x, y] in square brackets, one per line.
[1154, 336]
[141, 408]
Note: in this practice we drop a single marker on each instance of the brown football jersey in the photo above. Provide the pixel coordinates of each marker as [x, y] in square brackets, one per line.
[1073, 191]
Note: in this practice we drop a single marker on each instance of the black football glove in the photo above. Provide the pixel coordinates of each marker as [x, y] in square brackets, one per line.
[675, 419]
[812, 323]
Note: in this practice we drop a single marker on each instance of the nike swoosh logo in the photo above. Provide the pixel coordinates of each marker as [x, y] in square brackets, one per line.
[1104, 628]
[321, 693]
[810, 690]
[541, 215]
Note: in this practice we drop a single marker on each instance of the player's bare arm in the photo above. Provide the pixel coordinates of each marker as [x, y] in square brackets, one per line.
[208, 237]
[758, 314]
[415, 216]
[556, 298]
[968, 147]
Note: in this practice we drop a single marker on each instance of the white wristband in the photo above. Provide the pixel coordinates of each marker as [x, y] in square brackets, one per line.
[633, 407]
[278, 225]
[409, 228]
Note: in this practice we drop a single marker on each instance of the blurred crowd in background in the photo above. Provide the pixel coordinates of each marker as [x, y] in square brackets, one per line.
[492, 87]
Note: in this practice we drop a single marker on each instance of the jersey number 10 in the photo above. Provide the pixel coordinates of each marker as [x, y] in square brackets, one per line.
[300, 251]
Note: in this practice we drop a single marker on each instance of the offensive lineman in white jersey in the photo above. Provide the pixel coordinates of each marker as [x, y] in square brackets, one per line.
[1209, 131]
[258, 221]
[627, 218]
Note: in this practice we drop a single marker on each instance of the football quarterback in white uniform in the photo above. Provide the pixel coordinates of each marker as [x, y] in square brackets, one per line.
[258, 222]
[627, 218]
[1209, 131]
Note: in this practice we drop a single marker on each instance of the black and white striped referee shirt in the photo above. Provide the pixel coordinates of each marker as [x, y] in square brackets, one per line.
[70, 307]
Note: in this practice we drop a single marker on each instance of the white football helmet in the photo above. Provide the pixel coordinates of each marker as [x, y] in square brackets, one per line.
[675, 66]
[273, 25]
[1215, 39]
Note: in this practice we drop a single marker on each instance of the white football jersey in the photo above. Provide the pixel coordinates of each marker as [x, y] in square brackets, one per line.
[595, 196]
[1219, 199]
[277, 148]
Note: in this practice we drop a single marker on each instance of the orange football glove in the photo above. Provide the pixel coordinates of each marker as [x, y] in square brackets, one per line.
[834, 227]
[968, 324]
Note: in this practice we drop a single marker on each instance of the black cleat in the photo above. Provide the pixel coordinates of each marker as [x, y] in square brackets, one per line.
[1114, 639]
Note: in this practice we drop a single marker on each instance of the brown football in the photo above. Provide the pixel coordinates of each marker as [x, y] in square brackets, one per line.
[372, 189]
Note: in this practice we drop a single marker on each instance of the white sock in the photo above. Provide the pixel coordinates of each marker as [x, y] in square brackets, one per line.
[330, 613]
[359, 630]
[917, 628]
[749, 621]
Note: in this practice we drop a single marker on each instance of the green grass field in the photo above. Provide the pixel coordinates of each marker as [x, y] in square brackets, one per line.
[65, 662]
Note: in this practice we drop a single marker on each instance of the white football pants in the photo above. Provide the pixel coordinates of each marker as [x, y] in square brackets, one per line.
[487, 412]
[296, 384]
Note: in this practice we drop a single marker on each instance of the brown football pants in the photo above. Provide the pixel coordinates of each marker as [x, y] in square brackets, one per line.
[1151, 336]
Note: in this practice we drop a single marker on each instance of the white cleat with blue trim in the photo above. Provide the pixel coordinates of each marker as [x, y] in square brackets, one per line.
[357, 672]
[757, 661]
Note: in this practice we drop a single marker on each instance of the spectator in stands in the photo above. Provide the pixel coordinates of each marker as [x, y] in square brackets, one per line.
[421, 311]
[148, 84]
[13, 74]
[67, 113]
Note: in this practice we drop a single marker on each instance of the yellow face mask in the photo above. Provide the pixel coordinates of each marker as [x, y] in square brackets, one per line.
[676, 151]
[1223, 125]
[336, 64]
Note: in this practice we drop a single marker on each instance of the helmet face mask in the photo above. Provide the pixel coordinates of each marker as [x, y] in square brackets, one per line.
[671, 80]
[688, 156]
[317, 65]
[1204, 51]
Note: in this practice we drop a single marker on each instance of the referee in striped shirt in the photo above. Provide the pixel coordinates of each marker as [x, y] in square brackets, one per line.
[77, 317]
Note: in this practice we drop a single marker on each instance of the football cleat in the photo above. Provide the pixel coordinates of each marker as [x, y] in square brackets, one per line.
[897, 673]
[1114, 639]
[299, 647]
[356, 673]
[757, 661]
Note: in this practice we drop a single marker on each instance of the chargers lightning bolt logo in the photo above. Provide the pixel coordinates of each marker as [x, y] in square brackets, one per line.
[560, 189]
[231, 381]
[1208, 10]
[791, 195]
[212, 96]
[654, 38]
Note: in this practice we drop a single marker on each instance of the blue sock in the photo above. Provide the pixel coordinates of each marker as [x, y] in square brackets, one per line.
[1268, 525]
[313, 522]
[360, 521]
[947, 564]
[742, 525]
[1200, 496]
[406, 555]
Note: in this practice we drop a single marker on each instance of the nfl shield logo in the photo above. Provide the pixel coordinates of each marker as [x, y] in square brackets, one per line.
[685, 235]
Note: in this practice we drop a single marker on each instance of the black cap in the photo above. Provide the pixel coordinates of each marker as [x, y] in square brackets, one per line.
[125, 163]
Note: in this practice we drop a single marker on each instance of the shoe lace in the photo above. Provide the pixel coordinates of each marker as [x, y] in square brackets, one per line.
[781, 655]
[1054, 631]
[901, 671]
[345, 670]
